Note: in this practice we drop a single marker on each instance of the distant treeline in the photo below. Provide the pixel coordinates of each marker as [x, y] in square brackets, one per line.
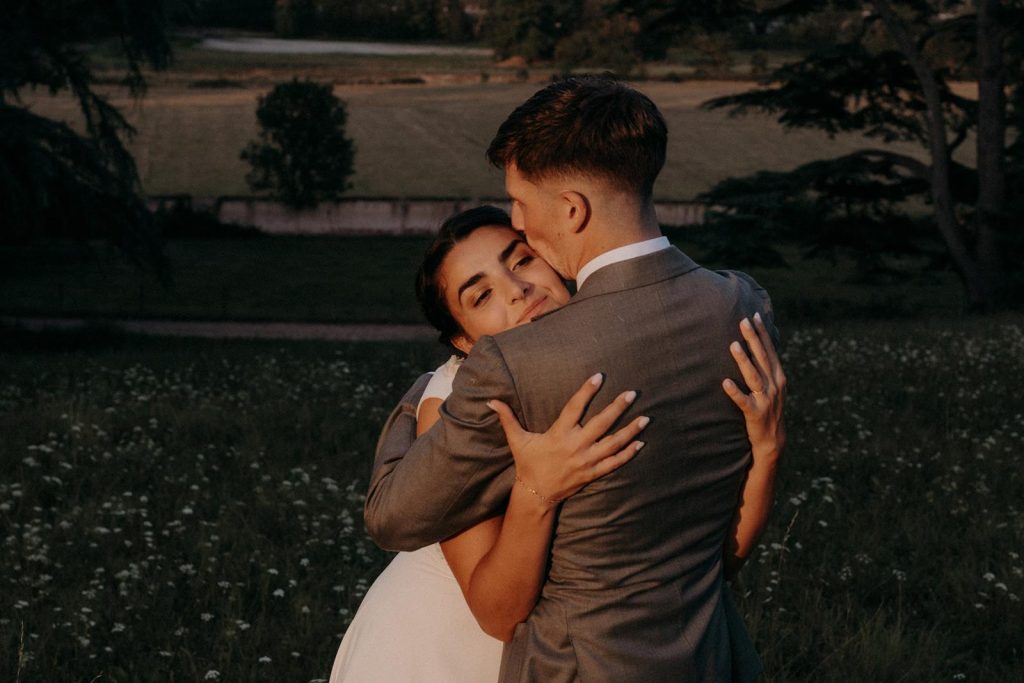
[435, 20]
[609, 33]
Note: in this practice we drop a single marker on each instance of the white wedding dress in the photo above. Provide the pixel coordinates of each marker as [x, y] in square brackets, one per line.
[413, 624]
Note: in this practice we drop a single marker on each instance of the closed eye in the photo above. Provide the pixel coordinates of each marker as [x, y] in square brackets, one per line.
[525, 260]
[481, 298]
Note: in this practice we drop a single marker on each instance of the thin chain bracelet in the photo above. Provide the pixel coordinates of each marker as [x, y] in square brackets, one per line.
[550, 501]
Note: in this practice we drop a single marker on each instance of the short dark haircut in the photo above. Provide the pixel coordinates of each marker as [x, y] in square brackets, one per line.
[429, 291]
[589, 125]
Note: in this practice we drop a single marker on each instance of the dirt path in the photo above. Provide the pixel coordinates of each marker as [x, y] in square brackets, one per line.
[231, 329]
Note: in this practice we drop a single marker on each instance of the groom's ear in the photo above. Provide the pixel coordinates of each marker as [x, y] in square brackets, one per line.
[577, 210]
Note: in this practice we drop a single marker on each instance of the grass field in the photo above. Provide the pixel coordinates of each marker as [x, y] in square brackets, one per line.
[429, 140]
[370, 279]
[306, 278]
[181, 511]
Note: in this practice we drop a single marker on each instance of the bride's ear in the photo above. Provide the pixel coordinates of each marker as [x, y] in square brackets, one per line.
[577, 210]
[462, 343]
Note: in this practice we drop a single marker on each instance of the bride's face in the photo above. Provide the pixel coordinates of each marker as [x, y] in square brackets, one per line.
[492, 281]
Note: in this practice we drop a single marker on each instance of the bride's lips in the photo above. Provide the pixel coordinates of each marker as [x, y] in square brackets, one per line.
[532, 310]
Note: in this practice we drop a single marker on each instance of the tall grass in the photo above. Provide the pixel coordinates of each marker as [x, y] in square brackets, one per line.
[181, 511]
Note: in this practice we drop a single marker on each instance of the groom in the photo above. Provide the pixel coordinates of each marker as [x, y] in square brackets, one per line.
[635, 587]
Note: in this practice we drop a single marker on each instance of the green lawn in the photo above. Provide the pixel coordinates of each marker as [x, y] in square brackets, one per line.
[294, 278]
[175, 508]
[369, 279]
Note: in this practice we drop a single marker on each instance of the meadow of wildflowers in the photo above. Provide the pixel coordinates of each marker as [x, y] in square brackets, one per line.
[185, 510]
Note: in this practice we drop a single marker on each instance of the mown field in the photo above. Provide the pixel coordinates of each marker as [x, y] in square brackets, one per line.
[428, 140]
[182, 511]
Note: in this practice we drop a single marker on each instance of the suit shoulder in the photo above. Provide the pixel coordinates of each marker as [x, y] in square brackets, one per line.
[741, 279]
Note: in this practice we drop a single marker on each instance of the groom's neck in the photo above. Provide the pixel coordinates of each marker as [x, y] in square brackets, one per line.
[615, 226]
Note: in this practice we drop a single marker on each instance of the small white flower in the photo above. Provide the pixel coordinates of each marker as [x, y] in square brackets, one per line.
[211, 675]
[279, 593]
[264, 660]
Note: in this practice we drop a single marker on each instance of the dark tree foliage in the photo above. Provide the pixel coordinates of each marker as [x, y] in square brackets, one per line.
[660, 22]
[56, 180]
[603, 38]
[852, 205]
[251, 14]
[302, 155]
[531, 28]
[397, 19]
[891, 79]
[609, 34]
[295, 18]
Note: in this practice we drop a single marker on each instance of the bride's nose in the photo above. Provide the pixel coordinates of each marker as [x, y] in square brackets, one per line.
[518, 289]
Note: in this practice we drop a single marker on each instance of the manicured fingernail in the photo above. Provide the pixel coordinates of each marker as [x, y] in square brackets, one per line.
[643, 422]
[757, 317]
[596, 379]
[745, 324]
[735, 347]
[639, 445]
[630, 396]
[490, 404]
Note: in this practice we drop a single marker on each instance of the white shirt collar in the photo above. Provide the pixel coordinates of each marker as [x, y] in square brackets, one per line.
[630, 251]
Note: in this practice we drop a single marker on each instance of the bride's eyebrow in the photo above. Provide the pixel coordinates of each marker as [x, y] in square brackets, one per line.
[472, 280]
[507, 251]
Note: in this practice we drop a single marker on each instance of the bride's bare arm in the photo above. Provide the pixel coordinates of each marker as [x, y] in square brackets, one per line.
[762, 409]
[500, 564]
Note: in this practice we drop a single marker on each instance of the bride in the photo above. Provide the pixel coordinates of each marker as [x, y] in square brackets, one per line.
[441, 613]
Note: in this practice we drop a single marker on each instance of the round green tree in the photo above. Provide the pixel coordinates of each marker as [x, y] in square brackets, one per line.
[302, 154]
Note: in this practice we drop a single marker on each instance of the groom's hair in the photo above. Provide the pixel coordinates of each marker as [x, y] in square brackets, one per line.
[587, 125]
[429, 290]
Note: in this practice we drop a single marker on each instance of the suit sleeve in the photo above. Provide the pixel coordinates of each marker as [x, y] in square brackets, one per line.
[760, 302]
[457, 474]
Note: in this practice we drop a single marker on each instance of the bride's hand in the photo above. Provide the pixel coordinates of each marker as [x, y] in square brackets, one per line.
[762, 407]
[558, 463]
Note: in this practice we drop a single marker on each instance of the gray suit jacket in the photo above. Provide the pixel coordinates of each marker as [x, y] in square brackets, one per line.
[635, 588]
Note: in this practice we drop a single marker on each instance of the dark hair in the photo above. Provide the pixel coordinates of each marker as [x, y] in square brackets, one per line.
[429, 291]
[589, 125]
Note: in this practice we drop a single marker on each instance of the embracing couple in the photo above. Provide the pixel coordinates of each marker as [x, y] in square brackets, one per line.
[583, 475]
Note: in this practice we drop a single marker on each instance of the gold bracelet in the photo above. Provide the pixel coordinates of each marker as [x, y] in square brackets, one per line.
[550, 501]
